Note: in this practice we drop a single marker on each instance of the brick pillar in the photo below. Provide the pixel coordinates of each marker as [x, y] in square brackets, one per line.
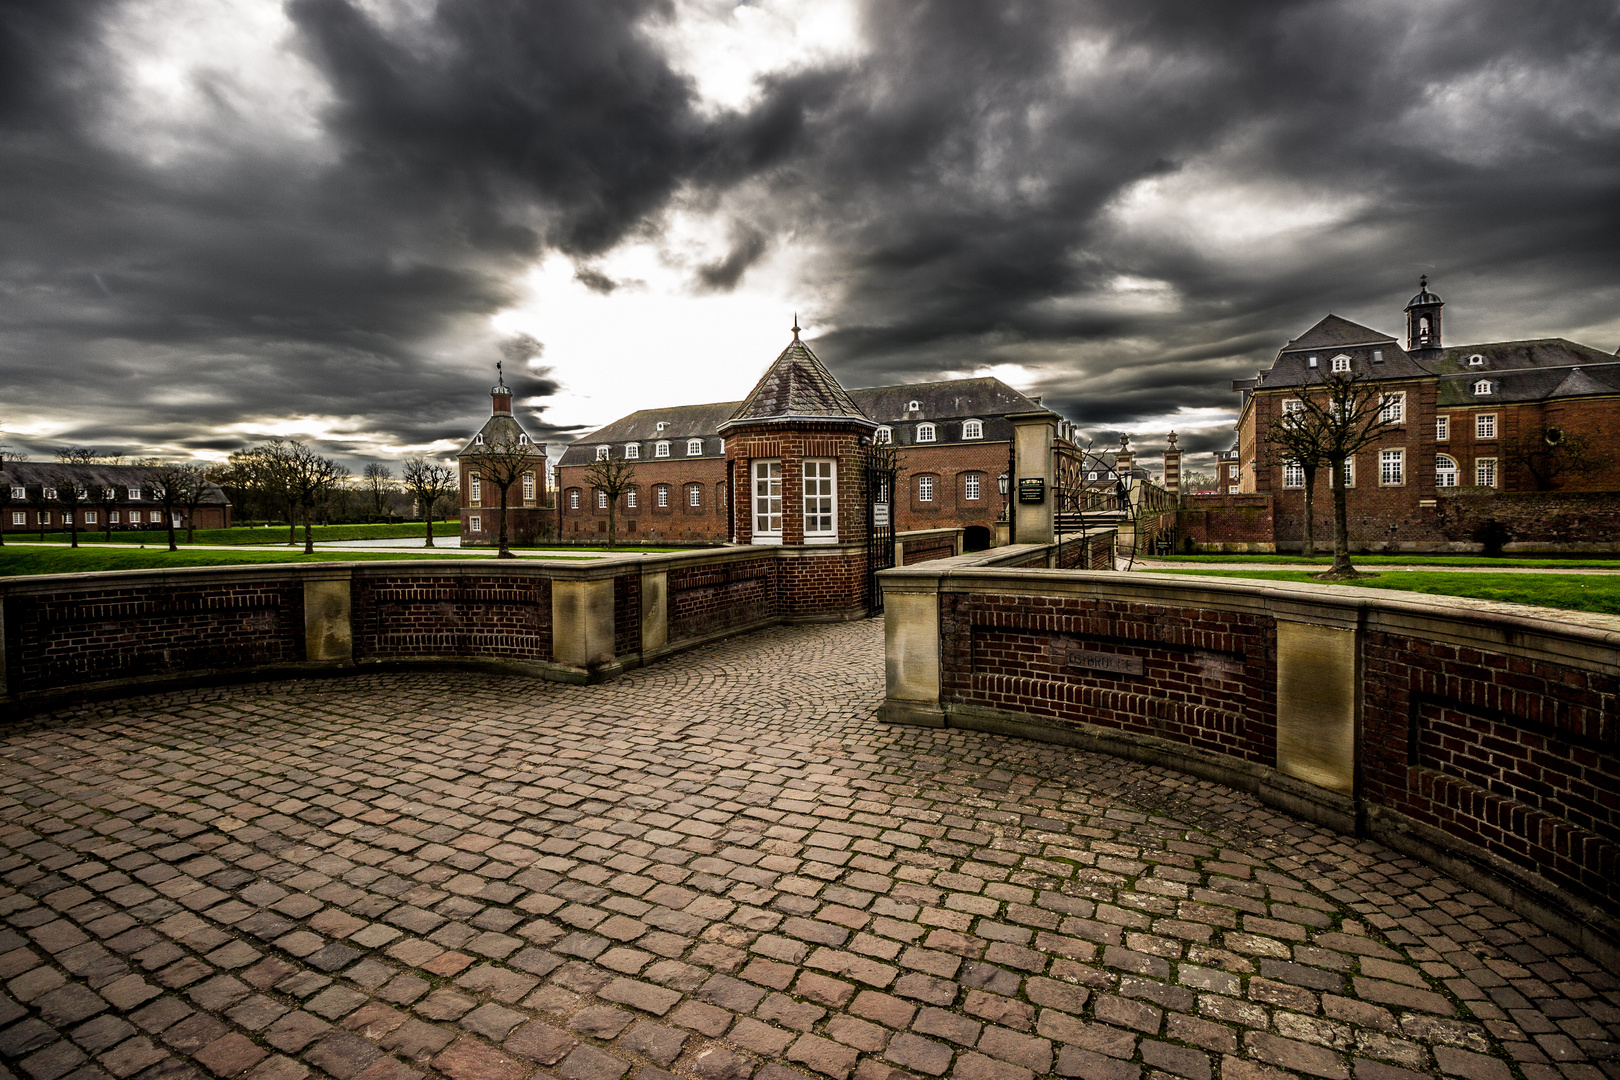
[1033, 436]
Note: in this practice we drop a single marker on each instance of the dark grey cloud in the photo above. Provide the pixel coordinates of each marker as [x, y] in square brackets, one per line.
[966, 182]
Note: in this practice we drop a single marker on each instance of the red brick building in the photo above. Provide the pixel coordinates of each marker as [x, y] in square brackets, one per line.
[952, 443]
[1478, 427]
[529, 516]
[122, 496]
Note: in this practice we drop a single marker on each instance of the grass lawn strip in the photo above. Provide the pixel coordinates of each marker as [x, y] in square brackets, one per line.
[1595, 593]
[1509, 562]
[19, 559]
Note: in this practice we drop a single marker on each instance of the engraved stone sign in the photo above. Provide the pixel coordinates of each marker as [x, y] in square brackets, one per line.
[1110, 662]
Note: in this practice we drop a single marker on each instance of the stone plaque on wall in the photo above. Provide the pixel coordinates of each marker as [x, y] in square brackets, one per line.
[1113, 663]
[1316, 705]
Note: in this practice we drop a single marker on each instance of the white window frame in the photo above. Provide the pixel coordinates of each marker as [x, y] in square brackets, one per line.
[1349, 472]
[1232, 489]
[528, 487]
[18, 491]
[765, 499]
[632, 451]
[1292, 410]
[1476, 360]
[630, 498]
[1442, 429]
[970, 487]
[972, 429]
[884, 436]
[603, 452]
[694, 447]
[49, 493]
[1485, 426]
[913, 406]
[1445, 471]
[112, 517]
[819, 481]
[155, 517]
[475, 489]
[1293, 474]
[523, 440]
[176, 519]
[573, 498]
[1485, 472]
[1392, 468]
[694, 494]
[601, 499]
[925, 433]
[661, 448]
[1340, 364]
[1392, 407]
[1310, 362]
[475, 523]
[1482, 388]
[44, 518]
[19, 517]
[661, 495]
[478, 439]
[925, 489]
[107, 494]
[90, 517]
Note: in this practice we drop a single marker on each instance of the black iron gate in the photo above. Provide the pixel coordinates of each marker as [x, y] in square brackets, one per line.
[880, 474]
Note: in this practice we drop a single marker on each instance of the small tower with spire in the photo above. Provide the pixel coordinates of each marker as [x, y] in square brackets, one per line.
[500, 394]
[1423, 318]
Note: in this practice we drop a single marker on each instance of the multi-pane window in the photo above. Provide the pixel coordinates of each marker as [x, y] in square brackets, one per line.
[1393, 408]
[1392, 467]
[475, 488]
[1341, 363]
[925, 432]
[113, 517]
[134, 494]
[884, 435]
[1482, 388]
[1293, 410]
[573, 498]
[632, 451]
[601, 499]
[630, 499]
[528, 486]
[90, 517]
[1485, 426]
[19, 492]
[1445, 471]
[67, 517]
[972, 429]
[155, 517]
[602, 452]
[1485, 472]
[1442, 428]
[107, 494]
[661, 495]
[1349, 472]
[19, 517]
[1293, 474]
[694, 447]
[925, 489]
[475, 523]
[50, 493]
[661, 449]
[970, 487]
[694, 494]
[820, 494]
[767, 478]
[478, 439]
[44, 518]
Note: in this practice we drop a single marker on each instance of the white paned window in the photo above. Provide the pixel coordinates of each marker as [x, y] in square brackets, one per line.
[528, 486]
[1293, 474]
[475, 523]
[661, 495]
[970, 487]
[972, 429]
[632, 451]
[820, 501]
[1341, 364]
[767, 479]
[90, 517]
[925, 433]
[50, 493]
[156, 517]
[67, 517]
[925, 489]
[1442, 428]
[1349, 472]
[1292, 410]
[19, 492]
[108, 494]
[19, 517]
[1393, 408]
[573, 499]
[602, 452]
[44, 517]
[475, 489]
[601, 500]
[694, 447]
[1485, 472]
[134, 494]
[1445, 471]
[661, 448]
[1482, 388]
[523, 440]
[1232, 490]
[630, 499]
[885, 435]
[1485, 426]
[1392, 467]
[694, 494]
[175, 520]
[113, 517]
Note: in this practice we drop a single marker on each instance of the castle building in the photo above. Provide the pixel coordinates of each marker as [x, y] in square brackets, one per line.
[502, 444]
[122, 496]
[1499, 417]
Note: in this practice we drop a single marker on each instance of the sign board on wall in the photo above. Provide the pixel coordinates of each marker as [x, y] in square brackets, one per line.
[1032, 489]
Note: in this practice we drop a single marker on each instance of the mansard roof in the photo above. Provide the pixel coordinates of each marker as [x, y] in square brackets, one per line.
[681, 422]
[497, 427]
[797, 386]
[1336, 333]
[953, 398]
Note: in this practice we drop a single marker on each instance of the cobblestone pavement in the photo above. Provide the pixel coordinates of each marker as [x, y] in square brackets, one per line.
[719, 867]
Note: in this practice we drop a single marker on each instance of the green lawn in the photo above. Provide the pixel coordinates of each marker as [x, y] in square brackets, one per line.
[1576, 592]
[276, 534]
[23, 559]
[1562, 562]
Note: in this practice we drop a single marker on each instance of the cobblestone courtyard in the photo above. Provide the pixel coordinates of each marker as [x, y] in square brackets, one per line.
[718, 867]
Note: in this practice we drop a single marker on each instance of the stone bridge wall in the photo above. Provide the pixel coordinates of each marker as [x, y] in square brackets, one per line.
[1477, 736]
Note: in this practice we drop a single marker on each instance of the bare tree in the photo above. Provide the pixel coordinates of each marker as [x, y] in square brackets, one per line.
[311, 479]
[175, 485]
[613, 477]
[1554, 452]
[108, 497]
[503, 461]
[379, 485]
[428, 482]
[1297, 439]
[77, 455]
[5, 486]
[1348, 414]
[70, 495]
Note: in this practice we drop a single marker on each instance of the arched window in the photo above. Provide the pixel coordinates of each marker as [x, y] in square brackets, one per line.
[925, 433]
[1445, 471]
[661, 495]
[661, 449]
[694, 494]
[602, 453]
[1341, 363]
[632, 451]
[694, 447]
[884, 435]
[1482, 388]
[523, 440]
[913, 406]
[972, 429]
[478, 439]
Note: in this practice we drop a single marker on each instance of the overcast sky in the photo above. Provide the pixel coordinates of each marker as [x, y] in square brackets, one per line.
[222, 220]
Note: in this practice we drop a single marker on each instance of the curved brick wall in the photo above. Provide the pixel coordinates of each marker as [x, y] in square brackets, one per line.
[1483, 737]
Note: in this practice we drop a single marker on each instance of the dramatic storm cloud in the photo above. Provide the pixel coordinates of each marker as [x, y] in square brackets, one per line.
[225, 219]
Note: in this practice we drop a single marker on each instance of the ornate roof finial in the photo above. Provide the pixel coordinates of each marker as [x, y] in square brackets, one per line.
[1423, 283]
[795, 326]
[499, 377]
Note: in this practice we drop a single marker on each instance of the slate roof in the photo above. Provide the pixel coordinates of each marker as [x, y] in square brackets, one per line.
[682, 422]
[498, 426]
[95, 477]
[796, 386]
[1509, 385]
[1336, 333]
[960, 398]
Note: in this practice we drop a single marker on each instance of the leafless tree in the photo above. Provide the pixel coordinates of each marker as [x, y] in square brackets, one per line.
[70, 495]
[613, 477]
[176, 485]
[311, 479]
[428, 482]
[1298, 438]
[379, 485]
[5, 485]
[503, 461]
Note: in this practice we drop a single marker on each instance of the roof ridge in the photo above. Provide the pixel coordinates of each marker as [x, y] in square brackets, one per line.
[797, 384]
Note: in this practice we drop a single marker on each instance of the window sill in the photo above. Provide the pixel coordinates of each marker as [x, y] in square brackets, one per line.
[767, 541]
[821, 540]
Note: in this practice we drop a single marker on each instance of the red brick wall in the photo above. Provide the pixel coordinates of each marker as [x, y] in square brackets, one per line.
[647, 522]
[422, 614]
[950, 464]
[927, 548]
[709, 599]
[87, 633]
[831, 584]
[627, 613]
[1235, 518]
[793, 444]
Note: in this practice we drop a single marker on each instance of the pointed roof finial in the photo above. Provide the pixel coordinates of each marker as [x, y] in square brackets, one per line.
[499, 377]
[795, 326]
[1423, 283]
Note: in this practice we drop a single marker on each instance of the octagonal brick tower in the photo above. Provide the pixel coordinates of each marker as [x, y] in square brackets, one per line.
[795, 455]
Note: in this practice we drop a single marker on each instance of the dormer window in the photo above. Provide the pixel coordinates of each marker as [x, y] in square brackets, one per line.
[661, 449]
[662, 424]
[523, 440]
[972, 429]
[913, 406]
[50, 493]
[134, 494]
[883, 436]
[694, 447]
[602, 452]
[925, 433]
[1476, 360]
[1482, 388]
[1341, 364]
[1378, 356]
[478, 439]
[632, 451]
[1310, 361]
